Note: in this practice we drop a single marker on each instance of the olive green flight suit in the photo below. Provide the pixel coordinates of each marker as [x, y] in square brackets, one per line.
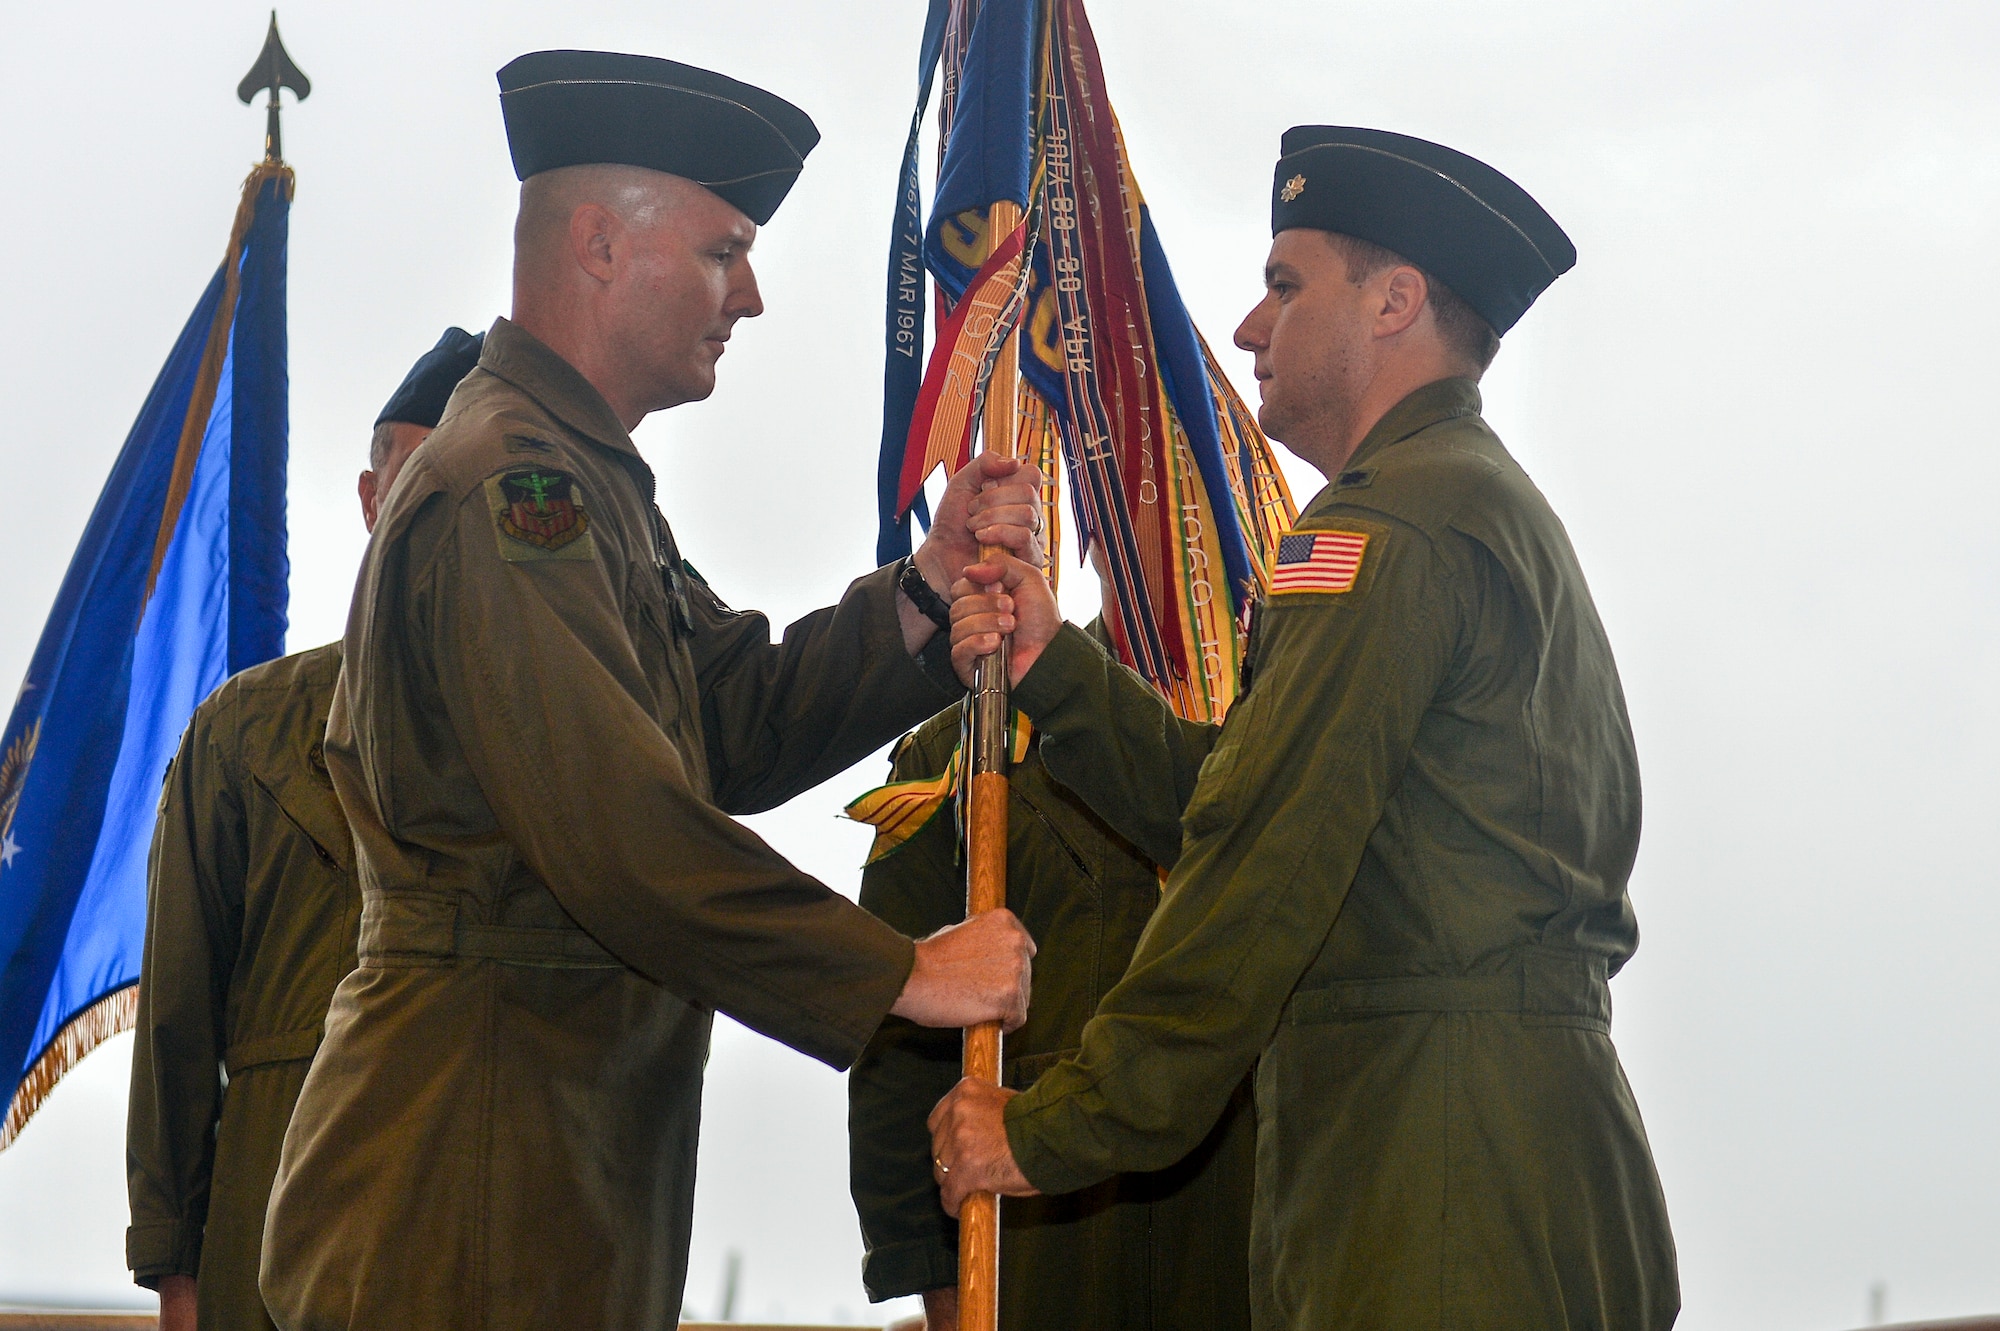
[1398, 889]
[251, 915]
[541, 729]
[1144, 1252]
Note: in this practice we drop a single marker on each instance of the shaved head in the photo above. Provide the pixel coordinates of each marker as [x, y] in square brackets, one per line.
[635, 277]
[639, 198]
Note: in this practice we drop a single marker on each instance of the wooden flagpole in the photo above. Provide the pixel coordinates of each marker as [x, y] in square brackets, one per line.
[986, 839]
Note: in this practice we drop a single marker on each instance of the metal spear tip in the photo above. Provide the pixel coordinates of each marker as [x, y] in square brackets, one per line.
[274, 70]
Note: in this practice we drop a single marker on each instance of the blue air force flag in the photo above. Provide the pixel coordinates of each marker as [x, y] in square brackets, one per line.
[179, 581]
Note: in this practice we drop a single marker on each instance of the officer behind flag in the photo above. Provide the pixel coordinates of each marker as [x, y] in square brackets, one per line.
[543, 722]
[1155, 1249]
[1399, 869]
[250, 923]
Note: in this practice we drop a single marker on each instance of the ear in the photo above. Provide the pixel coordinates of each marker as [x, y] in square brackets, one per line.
[369, 497]
[593, 231]
[1404, 296]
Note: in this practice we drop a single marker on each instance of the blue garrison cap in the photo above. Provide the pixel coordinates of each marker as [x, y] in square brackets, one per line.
[1453, 216]
[420, 398]
[577, 108]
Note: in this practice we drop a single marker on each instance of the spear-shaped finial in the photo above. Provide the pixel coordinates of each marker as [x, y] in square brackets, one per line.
[273, 70]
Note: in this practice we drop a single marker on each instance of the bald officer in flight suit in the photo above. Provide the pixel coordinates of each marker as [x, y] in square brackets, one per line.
[1398, 883]
[543, 724]
[252, 908]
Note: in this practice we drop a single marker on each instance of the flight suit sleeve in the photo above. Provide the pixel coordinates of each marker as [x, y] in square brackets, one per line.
[1108, 736]
[911, 1244]
[780, 718]
[194, 923]
[539, 660]
[1274, 833]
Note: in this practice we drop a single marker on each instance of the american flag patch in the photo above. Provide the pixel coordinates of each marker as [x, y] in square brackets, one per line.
[1321, 561]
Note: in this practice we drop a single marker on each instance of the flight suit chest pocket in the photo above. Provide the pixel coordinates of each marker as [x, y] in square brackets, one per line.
[658, 640]
[661, 639]
[1218, 790]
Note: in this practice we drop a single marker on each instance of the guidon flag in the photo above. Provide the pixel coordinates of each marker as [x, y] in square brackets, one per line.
[180, 580]
[1172, 483]
[1174, 487]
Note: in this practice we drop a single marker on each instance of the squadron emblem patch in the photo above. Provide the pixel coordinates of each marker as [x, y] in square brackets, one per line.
[1321, 561]
[1293, 188]
[539, 514]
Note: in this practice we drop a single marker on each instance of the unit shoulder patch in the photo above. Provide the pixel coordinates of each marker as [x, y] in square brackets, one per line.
[1325, 561]
[538, 513]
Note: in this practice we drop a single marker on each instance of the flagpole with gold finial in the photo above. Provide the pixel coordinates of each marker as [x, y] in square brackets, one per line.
[274, 70]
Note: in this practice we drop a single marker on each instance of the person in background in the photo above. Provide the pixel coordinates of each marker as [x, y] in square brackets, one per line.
[1158, 1250]
[252, 909]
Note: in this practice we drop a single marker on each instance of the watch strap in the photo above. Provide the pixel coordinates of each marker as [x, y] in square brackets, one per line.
[913, 584]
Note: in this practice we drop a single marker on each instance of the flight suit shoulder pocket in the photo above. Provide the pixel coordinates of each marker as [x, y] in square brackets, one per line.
[1330, 558]
[539, 514]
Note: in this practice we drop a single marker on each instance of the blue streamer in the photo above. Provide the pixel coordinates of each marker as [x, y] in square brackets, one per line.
[991, 153]
[1184, 374]
[903, 355]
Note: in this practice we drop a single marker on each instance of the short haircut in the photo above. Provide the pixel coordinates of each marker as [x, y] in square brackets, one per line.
[378, 447]
[638, 197]
[1464, 333]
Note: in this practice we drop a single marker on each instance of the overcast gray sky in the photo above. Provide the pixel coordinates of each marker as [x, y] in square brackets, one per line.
[1756, 402]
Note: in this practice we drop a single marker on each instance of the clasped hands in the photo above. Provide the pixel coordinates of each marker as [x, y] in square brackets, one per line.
[994, 502]
[965, 974]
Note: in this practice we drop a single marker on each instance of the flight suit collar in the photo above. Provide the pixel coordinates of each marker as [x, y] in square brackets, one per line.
[1446, 399]
[525, 361]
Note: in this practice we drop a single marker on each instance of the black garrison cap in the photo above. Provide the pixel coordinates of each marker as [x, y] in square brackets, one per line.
[576, 108]
[420, 398]
[1453, 216]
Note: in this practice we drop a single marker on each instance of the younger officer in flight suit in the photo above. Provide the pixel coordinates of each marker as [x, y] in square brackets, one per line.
[251, 916]
[1399, 869]
[543, 724]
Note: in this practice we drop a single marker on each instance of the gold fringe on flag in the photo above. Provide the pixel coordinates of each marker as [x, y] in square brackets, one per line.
[116, 1012]
[1038, 440]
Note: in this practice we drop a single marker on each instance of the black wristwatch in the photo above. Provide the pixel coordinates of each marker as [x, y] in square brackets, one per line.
[934, 607]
